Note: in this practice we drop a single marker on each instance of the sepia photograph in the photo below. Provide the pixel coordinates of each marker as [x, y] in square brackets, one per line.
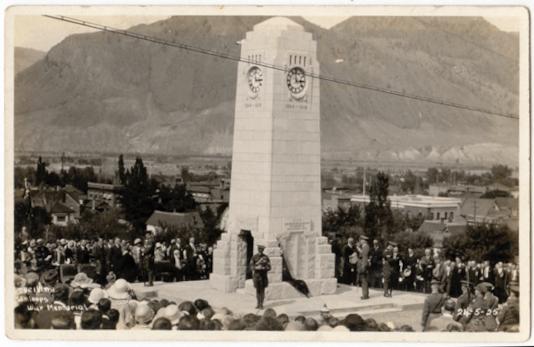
[267, 173]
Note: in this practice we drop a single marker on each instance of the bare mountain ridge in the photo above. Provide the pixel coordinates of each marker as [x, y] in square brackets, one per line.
[105, 92]
[25, 57]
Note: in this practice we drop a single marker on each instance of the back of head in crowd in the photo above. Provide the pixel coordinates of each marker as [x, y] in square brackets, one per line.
[188, 322]
[104, 305]
[354, 322]
[162, 323]
[91, 320]
[189, 307]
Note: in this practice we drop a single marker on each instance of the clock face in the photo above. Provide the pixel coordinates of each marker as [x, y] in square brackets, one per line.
[255, 79]
[296, 82]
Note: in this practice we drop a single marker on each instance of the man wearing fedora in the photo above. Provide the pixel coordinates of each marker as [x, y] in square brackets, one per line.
[363, 266]
[260, 265]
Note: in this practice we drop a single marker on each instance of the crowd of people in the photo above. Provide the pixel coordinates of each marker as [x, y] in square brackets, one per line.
[390, 269]
[143, 260]
[97, 294]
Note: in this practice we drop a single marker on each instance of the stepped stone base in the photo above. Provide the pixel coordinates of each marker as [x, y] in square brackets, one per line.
[284, 290]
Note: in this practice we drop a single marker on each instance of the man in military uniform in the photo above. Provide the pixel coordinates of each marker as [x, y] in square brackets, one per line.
[463, 301]
[363, 267]
[260, 264]
[432, 305]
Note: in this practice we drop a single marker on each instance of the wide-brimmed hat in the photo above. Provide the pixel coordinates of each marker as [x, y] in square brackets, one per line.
[19, 281]
[81, 280]
[363, 237]
[49, 277]
[394, 244]
[120, 290]
[260, 246]
[96, 295]
[172, 313]
[137, 241]
[143, 313]
[32, 279]
[484, 287]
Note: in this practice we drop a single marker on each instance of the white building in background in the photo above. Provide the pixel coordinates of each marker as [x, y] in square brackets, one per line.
[430, 207]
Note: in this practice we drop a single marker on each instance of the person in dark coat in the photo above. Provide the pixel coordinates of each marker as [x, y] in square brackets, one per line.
[409, 270]
[82, 253]
[147, 259]
[427, 266]
[501, 282]
[486, 273]
[260, 265]
[471, 273]
[363, 267]
[387, 270]
[100, 256]
[396, 262]
[126, 266]
[455, 278]
[375, 270]
[115, 255]
[190, 258]
[349, 271]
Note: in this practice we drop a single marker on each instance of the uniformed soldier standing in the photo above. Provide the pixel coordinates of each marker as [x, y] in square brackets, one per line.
[463, 301]
[363, 267]
[433, 304]
[260, 264]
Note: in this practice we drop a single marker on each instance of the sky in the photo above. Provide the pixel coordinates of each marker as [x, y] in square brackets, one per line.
[43, 33]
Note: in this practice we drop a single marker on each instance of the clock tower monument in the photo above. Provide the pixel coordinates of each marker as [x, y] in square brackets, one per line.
[275, 192]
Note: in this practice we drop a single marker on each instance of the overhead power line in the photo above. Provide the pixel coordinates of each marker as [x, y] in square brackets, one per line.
[226, 56]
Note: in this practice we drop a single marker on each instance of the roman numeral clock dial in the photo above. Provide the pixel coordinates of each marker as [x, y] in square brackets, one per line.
[255, 80]
[296, 82]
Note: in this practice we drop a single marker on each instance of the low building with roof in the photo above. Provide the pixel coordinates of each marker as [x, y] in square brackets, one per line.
[432, 208]
[161, 220]
[104, 192]
[498, 211]
[62, 215]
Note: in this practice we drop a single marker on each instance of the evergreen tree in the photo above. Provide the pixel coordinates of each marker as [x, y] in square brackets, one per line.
[378, 216]
[138, 196]
[40, 173]
[122, 170]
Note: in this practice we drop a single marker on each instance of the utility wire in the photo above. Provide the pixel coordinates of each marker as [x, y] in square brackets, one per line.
[280, 68]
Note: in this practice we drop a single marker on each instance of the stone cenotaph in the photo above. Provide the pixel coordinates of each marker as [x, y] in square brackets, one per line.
[275, 192]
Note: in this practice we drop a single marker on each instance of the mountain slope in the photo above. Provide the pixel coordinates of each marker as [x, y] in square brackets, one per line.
[25, 57]
[105, 92]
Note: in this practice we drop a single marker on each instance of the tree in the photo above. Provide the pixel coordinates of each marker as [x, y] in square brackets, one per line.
[35, 219]
[122, 170]
[409, 182]
[432, 175]
[40, 172]
[211, 232]
[500, 172]
[177, 199]
[483, 242]
[378, 215]
[492, 194]
[138, 197]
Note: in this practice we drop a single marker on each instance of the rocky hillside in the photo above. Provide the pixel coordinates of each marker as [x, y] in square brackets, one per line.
[105, 92]
[25, 57]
